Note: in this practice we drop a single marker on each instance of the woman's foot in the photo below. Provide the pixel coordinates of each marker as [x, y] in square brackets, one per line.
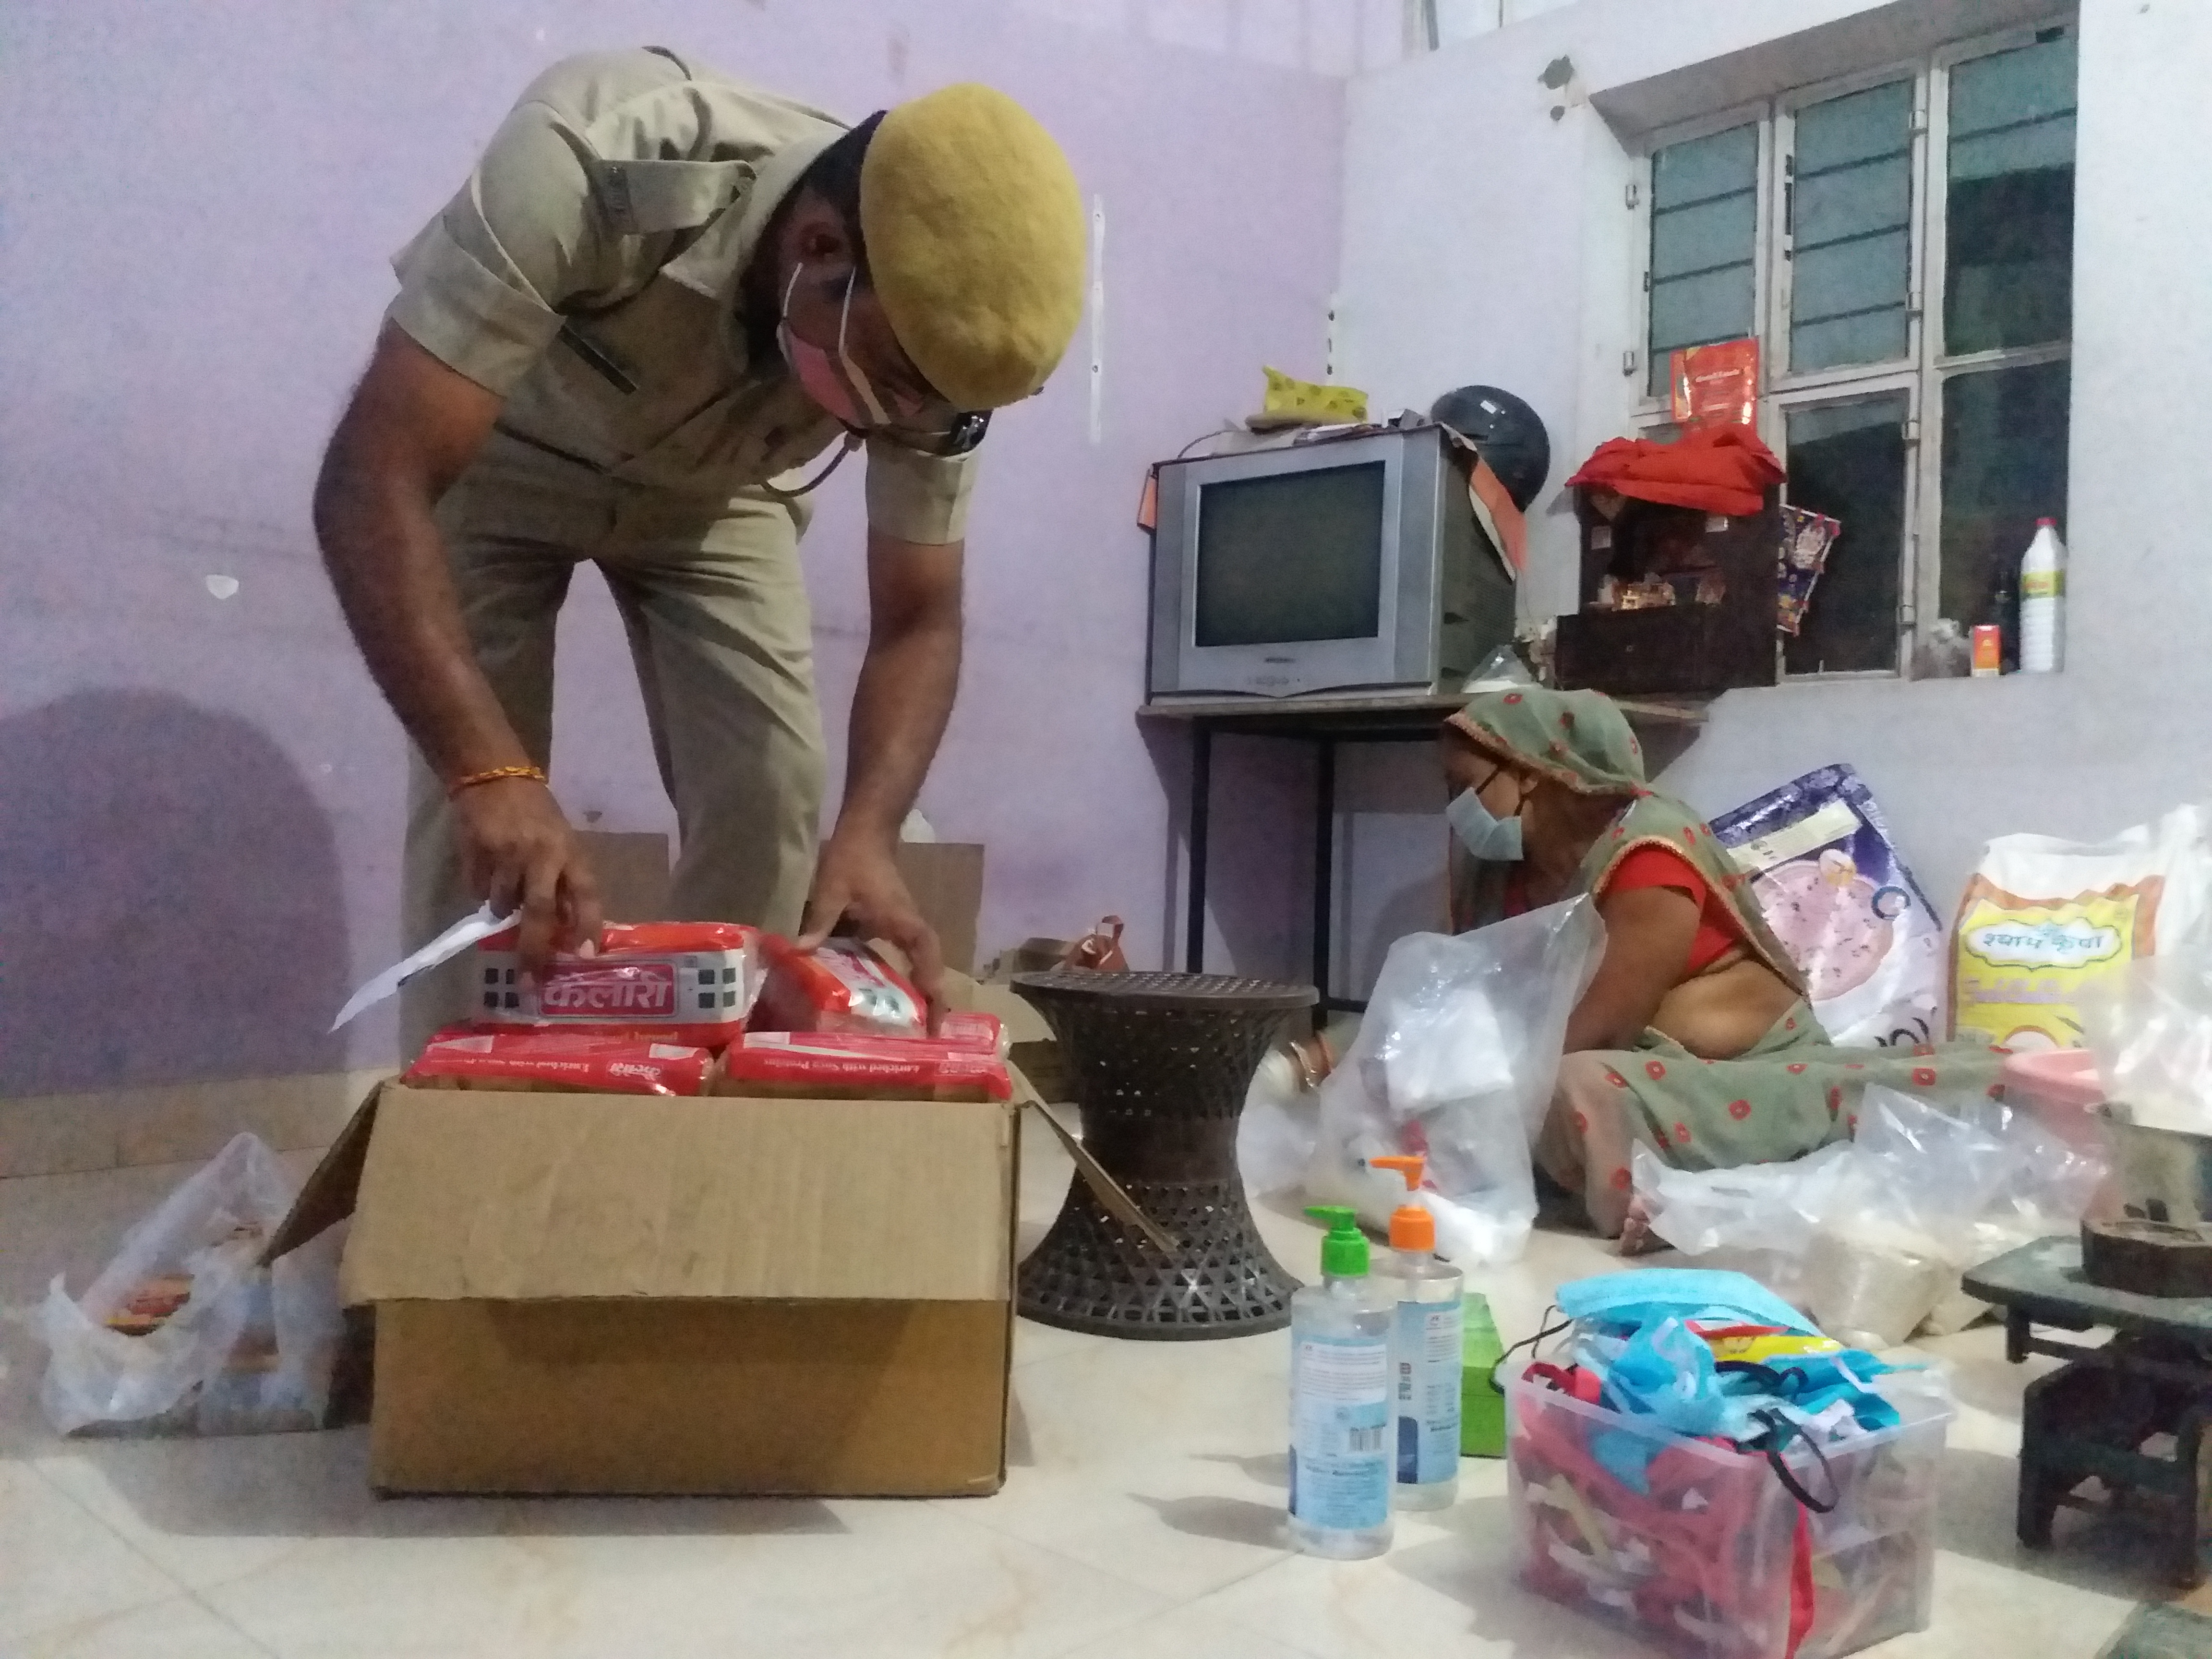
[1637, 1237]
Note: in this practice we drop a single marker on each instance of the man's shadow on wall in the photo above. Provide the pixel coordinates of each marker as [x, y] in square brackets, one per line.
[170, 906]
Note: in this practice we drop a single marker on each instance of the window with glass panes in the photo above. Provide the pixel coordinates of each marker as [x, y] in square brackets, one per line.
[1901, 244]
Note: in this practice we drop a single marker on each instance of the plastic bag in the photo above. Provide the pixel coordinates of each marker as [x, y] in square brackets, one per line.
[849, 1065]
[1871, 1237]
[1755, 1207]
[841, 985]
[2150, 1028]
[1836, 893]
[250, 1349]
[1281, 1119]
[688, 982]
[1455, 1060]
[2042, 920]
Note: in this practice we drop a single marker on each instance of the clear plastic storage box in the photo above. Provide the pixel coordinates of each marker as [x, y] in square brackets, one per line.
[1706, 1561]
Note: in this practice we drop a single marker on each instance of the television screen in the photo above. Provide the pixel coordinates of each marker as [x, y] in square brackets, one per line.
[1293, 557]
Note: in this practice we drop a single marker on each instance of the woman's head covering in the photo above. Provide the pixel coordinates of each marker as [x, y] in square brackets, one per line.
[1582, 741]
[1579, 739]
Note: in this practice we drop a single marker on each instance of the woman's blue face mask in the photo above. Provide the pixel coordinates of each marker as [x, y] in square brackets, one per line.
[1482, 832]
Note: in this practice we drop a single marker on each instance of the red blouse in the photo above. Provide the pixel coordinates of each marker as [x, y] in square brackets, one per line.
[1720, 930]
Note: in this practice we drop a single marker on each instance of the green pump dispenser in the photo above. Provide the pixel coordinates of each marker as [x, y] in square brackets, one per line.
[1344, 1251]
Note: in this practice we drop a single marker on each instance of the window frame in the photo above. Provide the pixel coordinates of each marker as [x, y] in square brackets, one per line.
[1786, 379]
[1656, 410]
[1926, 367]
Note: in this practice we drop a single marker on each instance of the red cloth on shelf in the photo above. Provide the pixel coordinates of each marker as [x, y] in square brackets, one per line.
[1715, 469]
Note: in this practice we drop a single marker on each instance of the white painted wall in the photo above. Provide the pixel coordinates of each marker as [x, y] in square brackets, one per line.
[1486, 241]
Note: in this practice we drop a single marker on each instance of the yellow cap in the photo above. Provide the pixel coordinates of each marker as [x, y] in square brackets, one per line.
[1411, 1227]
[974, 228]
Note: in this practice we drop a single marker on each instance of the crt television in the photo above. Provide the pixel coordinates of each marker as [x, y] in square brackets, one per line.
[1348, 566]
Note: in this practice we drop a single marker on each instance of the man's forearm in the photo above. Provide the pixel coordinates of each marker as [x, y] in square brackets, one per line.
[900, 707]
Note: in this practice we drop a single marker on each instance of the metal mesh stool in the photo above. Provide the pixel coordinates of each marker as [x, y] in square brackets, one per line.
[1161, 1064]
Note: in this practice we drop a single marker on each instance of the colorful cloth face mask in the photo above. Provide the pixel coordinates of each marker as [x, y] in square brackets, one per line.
[1693, 1295]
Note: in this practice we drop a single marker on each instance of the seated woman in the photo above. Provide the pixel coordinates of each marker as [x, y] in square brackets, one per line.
[1694, 1037]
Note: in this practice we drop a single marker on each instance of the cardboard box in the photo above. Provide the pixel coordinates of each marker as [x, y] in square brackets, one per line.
[646, 1294]
[946, 879]
[602, 1293]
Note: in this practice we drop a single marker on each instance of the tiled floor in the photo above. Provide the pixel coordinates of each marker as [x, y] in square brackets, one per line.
[1142, 1516]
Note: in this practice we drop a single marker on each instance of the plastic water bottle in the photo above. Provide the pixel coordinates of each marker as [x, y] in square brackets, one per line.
[2042, 600]
[1340, 1400]
[1425, 1353]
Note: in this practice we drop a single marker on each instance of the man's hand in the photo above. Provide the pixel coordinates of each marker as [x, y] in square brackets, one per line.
[857, 884]
[518, 851]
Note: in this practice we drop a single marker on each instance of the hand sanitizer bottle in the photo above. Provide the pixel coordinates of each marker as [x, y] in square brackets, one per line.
[1425, 1353]
[1340, 1400]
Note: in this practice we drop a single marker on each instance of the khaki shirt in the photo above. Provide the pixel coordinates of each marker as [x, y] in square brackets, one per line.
[588, 273]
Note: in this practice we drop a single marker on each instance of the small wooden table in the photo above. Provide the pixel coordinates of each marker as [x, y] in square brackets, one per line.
[2095, 1415]
[1161, 1063]
[1665, 726]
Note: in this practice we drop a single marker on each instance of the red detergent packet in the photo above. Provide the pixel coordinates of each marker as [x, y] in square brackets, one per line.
[837, 1065]
[841, 987]
[962, 1034]
[1714, 385]
[585, 1062]
[684, 981]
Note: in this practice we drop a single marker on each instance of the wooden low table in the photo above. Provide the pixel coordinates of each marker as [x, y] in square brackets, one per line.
[2110, 1412]
[1161, 1063]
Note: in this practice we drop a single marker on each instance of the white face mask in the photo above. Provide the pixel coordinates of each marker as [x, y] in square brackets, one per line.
[831, 378]
[1482, 832]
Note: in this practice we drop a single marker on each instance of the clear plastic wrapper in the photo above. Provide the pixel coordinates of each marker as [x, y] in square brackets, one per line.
[2043, 922]
[2150, 1028]
[690, 982]
[838, 1065]
[842, 986]
[1755, 1207]
[1455, 1060]
[1871, 1237]
[186, 1332]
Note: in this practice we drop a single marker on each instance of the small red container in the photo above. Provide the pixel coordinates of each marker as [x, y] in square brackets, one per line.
[1989, 651]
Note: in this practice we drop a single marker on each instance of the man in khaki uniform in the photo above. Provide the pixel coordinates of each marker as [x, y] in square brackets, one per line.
[659, 300]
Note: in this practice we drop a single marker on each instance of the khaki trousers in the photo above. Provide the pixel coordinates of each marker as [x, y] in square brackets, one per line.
[710, 593]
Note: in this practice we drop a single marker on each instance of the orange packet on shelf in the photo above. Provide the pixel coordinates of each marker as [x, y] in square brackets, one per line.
[1714, 385]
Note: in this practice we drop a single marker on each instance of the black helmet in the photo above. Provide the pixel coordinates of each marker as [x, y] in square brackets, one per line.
[1508, 433]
